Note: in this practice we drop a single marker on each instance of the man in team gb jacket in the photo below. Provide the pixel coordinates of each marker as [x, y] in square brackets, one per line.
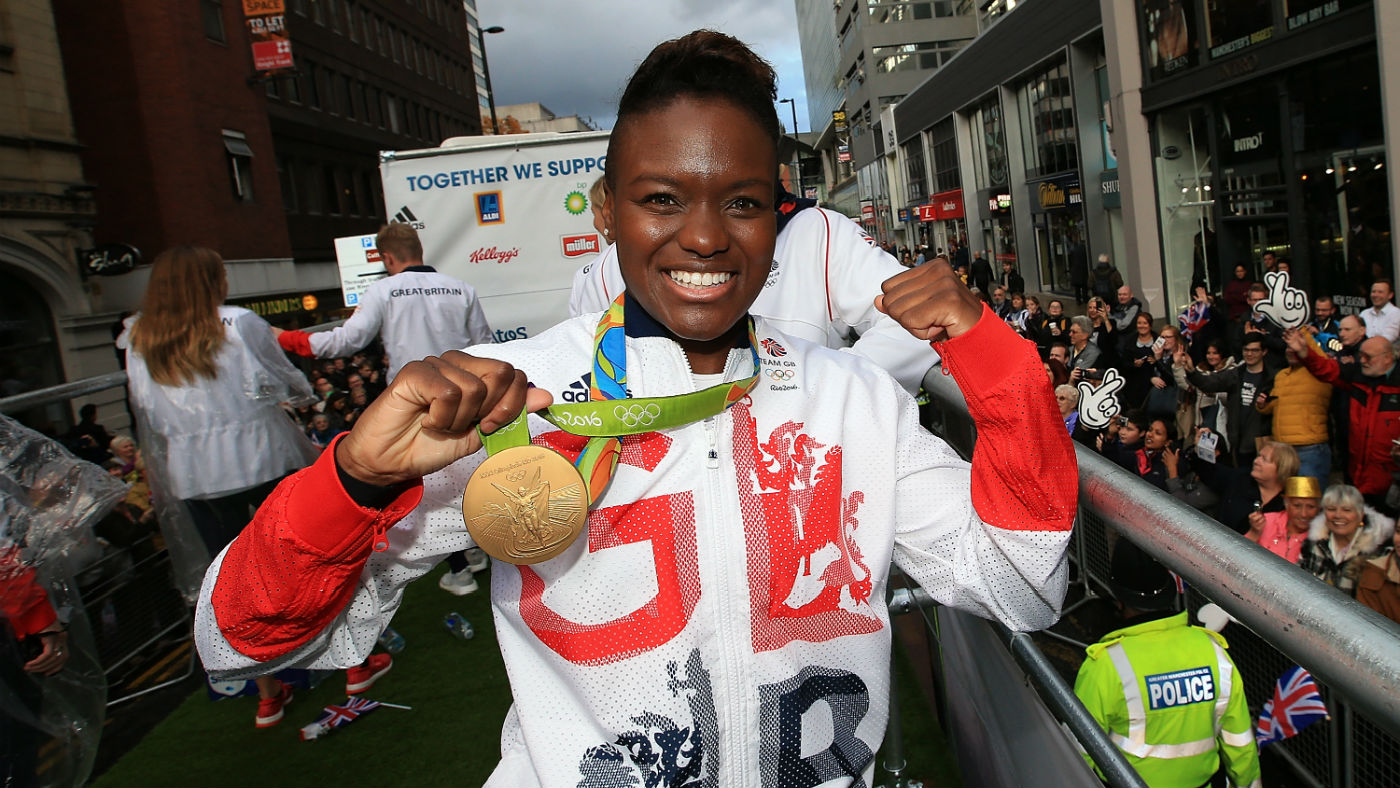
[416, 310]
[734, 570]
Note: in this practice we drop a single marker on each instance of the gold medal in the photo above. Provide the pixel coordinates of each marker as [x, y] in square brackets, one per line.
[525, 504]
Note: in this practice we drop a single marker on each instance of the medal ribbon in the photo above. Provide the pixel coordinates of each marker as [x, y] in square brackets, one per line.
[606, 417]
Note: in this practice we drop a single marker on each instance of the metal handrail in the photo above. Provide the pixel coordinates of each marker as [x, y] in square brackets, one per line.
[1058, 696]
[1351, 648]
[62, 392]
[79, 388]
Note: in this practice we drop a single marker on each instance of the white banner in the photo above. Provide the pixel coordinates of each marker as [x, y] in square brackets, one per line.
[511, 218]
[359, 265]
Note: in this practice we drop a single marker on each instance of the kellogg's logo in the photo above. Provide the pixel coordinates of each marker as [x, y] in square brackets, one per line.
[488, 208]
[580, 245]
[500, 256]
[773, 347]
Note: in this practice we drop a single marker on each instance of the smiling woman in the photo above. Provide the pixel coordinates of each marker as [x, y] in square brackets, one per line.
[693, 164]
[744, 492]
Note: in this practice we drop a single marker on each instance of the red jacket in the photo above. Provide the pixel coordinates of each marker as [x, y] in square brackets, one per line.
[1375, 420]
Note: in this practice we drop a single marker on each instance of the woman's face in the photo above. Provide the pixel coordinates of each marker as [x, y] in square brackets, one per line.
[1144, 326]
[1169, 334]
[1265, 469]
[1241, 272]
[692, 215]
[1056, 309]
[1156, 436]
[126, 452]
[1018, 302]
[1213, 358]
[1064, 399]
[1032, 307]
[1343, 521]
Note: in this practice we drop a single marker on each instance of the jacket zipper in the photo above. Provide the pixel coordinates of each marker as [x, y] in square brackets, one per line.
[734, 670]
[730, 765]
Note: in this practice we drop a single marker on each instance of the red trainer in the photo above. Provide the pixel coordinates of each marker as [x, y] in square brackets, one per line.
[362, 677]
[270, 709]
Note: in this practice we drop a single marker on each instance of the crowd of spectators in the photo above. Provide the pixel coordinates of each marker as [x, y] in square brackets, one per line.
[344, 387]
[1290, 438]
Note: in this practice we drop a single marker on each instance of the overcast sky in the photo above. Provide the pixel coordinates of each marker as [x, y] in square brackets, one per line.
[574, 57]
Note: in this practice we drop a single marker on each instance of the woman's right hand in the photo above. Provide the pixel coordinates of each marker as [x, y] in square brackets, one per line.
[427, 418]
[1256, 524]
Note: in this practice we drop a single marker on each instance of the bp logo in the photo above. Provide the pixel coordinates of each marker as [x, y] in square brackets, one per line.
[576, 203]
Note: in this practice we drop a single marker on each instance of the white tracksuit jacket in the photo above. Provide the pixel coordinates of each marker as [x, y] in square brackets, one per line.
[732, 575]
[825, 276]
[419, 313]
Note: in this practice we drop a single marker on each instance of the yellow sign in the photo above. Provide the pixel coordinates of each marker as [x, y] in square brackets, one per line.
[1051, 195]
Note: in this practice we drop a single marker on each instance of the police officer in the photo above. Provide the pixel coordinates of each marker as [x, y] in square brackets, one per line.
[1166, 692]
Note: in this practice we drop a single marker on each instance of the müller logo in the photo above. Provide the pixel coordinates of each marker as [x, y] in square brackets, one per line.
[501, 256]
[580, 245]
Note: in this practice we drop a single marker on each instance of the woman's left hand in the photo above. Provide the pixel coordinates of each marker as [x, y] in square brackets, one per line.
[1159, 383]
[930, 301]
[1172, 459]
[54, 656]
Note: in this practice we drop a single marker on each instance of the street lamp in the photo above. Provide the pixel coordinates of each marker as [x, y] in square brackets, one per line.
[796, 152]
[486, 67]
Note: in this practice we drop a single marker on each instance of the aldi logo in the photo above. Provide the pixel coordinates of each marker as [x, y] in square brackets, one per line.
[580, 245]
[488, 208]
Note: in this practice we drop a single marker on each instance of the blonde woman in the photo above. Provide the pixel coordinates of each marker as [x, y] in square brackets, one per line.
[205, 381]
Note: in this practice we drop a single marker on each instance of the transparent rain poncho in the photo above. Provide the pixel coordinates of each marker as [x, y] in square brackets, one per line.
[216, 436]
[49, 502]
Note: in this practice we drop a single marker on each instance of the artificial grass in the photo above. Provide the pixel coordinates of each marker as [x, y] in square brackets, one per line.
[458, 691]
[459, 694]
[927, 755]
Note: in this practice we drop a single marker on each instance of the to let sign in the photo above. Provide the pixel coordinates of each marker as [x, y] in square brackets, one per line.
[267, 27]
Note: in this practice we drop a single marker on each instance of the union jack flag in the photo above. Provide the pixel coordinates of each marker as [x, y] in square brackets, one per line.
[337, 716]
[1296, 705]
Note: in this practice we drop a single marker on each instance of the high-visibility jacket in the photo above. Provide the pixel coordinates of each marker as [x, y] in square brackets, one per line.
[1168, 695]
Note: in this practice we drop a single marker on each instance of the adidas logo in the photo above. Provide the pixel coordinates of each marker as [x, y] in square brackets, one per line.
[405, 216]
[578, 390]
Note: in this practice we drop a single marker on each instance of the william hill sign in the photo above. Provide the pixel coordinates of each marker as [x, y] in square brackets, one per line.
[1056, 195]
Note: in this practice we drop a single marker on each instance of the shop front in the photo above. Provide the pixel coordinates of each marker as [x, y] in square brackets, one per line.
[950, 222]
[1057, 216]
[297, 310]
[999, 228]
[1291, 162]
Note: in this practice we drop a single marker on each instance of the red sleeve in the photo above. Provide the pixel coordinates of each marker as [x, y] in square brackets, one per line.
[1024, 473]
[296, 566]
[298, 342]
[1324, 368]
[22, 599]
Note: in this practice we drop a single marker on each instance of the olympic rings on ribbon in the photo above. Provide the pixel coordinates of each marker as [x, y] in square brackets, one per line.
[637, 415]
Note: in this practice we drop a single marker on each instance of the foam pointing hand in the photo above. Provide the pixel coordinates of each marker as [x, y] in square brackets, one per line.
[1098, 406]
[1286, 306]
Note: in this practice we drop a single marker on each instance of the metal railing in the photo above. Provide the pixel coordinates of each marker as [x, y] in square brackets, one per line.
[1288, 616]
[127, 595]
[1291, 617]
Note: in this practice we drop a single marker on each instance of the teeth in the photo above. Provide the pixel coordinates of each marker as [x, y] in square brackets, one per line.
[707, 279]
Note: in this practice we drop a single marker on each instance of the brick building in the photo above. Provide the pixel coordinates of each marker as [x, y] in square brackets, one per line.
[180, 140]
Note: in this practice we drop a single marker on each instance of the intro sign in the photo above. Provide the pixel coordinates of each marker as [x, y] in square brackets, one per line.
[360, 266]
[267, 27]
[109, 260]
